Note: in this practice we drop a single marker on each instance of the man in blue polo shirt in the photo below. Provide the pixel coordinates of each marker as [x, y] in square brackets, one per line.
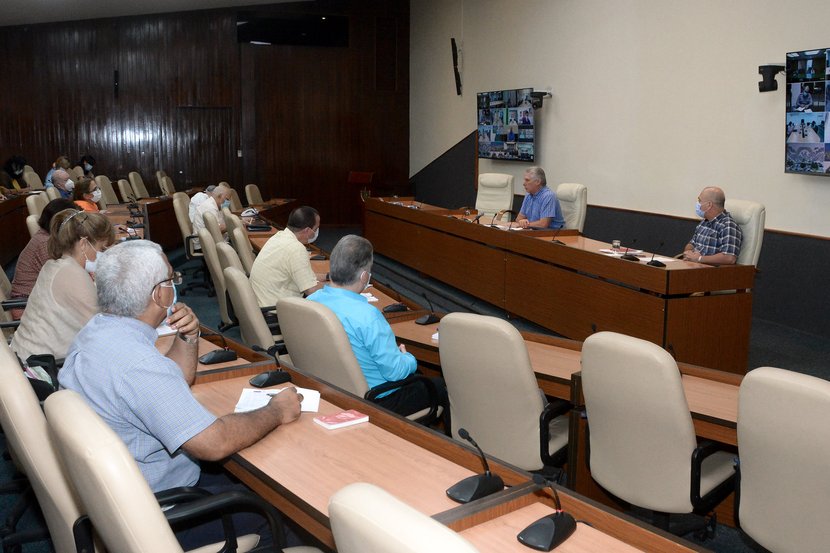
[540, 208]
[717, 238]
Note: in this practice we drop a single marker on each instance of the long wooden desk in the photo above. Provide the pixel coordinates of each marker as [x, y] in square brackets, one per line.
[573, 289]
[298, 466]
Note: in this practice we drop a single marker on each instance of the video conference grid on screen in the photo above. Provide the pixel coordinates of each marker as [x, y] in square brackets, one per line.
[808, 89]
[505, 125]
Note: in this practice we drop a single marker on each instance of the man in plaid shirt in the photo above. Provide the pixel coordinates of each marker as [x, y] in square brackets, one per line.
[717, 239]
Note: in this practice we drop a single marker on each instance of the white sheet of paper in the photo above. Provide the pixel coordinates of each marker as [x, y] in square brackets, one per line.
[369, 296]
[165, 330]
[254, 398]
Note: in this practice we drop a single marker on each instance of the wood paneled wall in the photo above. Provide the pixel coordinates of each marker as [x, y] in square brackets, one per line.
[189, 97]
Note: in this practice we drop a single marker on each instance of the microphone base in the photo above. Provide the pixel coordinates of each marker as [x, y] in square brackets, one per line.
[655, 263]
[429, 319]
[555, 241]
[548, 532]
[475, 487]
[630, 257]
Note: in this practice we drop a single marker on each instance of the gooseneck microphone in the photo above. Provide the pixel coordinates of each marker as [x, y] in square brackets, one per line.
[476, 486]
[429, 318]
[555, 234]
[629, 256]
[551, 530]
[654, 262]
[479, 216]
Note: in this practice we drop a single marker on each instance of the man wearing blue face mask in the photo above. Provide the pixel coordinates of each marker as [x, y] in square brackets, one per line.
[219, 197]
[283, 268]
[717, 238]
[144, 394]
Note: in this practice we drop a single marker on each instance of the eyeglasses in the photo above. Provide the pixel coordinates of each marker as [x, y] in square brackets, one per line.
[174, 280]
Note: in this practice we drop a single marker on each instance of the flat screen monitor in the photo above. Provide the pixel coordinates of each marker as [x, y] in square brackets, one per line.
[506, 128]
[808, 87]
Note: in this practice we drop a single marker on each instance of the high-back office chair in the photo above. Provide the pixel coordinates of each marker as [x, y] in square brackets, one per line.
[228, 257]
[495, 193]
[125, 190]
[107, 192]
[212, 225]
[750, 216]
[76, 173]
[192, 249]
[35, 203]
[32, 224]
[368, 519]
[306, 324]
[160, 174]
[123, 509]
[27, 435]
[253, 328]
[494, 395]
[31, 178]
[166, 186]
[8, 323]
[573, 199]
[244, 249]
[52, 193]
[218, 278]
[641, 437]
[236, 202]
[253, 195]
[783, 487]
[137, 185]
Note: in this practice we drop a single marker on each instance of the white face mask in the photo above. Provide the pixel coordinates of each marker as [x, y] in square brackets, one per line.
[314, 236]
[96, 195]
[70, 185]
[87, 167]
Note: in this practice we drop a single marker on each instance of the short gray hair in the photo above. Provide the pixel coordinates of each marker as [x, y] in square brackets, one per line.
[126, 274]
[538, 173]
[350, 257]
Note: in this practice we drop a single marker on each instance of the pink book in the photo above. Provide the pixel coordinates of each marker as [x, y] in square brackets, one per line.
[341, 419]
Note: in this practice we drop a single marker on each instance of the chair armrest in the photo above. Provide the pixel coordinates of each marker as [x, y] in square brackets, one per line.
[224, 504]
[705, 449]
[412, 379]
[552, 410]
[181, 494]
[9, 324]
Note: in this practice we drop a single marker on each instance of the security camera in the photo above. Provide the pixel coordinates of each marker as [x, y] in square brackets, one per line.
[768, 73]
[536, 98]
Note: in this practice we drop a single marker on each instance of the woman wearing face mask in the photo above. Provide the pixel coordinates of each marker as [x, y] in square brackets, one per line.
[87, 195]
[86, 163]
[11, 176]
[64, 298]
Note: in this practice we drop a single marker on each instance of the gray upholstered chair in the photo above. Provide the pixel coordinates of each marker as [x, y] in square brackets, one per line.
[368, 519]
[495, 193]
[137, 185]
[27, 435]
[125, 191]
[52, 193]
[253, 194]
[35, 203]
[750, 216]
[784, 444]
[494, 395]
[107, 192]
[236, 202]
[306, 324]
[123, 509]
[573, 199]
[166, 186]
[243, 247]
[643, 447]
[253, 328]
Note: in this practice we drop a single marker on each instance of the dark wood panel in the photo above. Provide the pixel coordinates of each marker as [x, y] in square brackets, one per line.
[13, 233]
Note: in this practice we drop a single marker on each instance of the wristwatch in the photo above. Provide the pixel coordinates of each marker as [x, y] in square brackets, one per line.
[188, 339]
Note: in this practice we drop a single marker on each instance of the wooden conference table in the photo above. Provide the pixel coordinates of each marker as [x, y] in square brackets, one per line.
[297, 467]
[573, 289]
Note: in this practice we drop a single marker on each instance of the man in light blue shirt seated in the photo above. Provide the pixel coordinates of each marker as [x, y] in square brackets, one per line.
[144, 395]
[371, 337]
[540, 208]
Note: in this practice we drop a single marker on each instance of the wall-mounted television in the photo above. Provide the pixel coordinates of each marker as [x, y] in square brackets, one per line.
[506, 127]
[808, 88]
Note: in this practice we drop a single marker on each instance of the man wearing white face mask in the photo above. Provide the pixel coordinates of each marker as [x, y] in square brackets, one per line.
[87, 195]
[370, 335]
[717, 238]
[63, 298]
[283, 268]
[218, 198]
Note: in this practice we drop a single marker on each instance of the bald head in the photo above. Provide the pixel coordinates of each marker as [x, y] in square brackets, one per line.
[220, 194]
[713, 194]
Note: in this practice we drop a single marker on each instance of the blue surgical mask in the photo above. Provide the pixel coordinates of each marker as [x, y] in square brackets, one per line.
[698, 211]
[87, 167]
[226, 203]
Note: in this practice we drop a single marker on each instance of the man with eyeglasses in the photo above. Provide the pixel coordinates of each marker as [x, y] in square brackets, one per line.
[144, 394]
[717, 238]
